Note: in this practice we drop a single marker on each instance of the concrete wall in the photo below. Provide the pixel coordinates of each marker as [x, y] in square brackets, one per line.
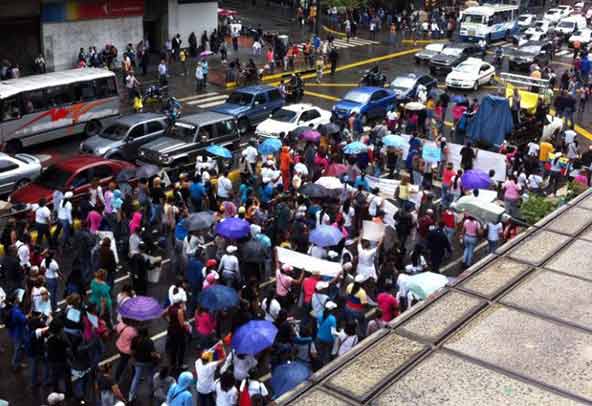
[187, 18]
[61, 42]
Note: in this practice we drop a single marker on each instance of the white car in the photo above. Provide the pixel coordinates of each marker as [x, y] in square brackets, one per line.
[290, 117]
[566, 10]
[17, 170]
[540, 26]
[526, 20]
[470, 74]
[584, 37]
[553, 15]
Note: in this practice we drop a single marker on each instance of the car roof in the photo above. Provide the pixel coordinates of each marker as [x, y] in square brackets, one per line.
[527, 15]
[460, 45]
[76, 162]
[473, 61]
[368, 89]
[254, 89]
[298, 107]
[205, 118]
[139, 117]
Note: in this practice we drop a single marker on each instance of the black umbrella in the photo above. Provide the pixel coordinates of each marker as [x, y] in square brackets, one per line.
[316, 191]
[125, 175]
[253, 252]
[329, 129]
[199, 221]
[147, 171]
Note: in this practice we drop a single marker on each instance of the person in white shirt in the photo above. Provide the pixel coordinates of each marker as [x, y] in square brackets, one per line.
[535, 182]
[95, 193]
[271, 306]
[533, 149]
[250, 155]
[256, 389]
[23, 252]
[494, 233]
[569, 137]
[346, 339]
[65, 217]
[376, 204]
[229, 267]
[51, 271]
[243, 363]
[224, 191]
[206, 384]
[226, 392]
[42, 221]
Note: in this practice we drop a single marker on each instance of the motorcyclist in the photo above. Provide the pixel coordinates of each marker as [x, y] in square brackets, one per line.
[499, 56]
[172, 109]
[295, 87]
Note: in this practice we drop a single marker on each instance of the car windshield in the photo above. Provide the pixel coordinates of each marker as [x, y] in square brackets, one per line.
[183, 132]
[357, 97]
[466, 68]
[530, 49]
[54, 177]
[472, 19]
[566, 24]
[434, 47]
[115, 131]
[240, 98]
[285, 116]
[452, 51]
[403, 83]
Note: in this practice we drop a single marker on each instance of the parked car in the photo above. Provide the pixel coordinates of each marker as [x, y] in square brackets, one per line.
[73, 174]
[17, 170]
[525, 21]
[522, 39]
[430, 50]
[570, 25]
[584, 37]
[471, 74]
[451, 56]
[123, 138]
[532, 52]
[553, 15]
[190, 136]
[370, 102]
[539, 26]
[290, 117]
[405, 87]
[251, 105]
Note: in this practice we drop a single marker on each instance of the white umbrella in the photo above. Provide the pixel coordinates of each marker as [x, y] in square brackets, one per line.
[300, 167]
[330, 182]
[414, 106]
[425, 283]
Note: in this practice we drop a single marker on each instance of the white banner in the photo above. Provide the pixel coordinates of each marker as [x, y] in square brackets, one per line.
[372, 231]
[307, 263]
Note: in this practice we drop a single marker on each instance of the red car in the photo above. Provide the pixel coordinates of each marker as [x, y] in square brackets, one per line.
[70, 174]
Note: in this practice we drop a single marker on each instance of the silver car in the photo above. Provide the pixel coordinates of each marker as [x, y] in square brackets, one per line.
[122, 139]
[17, 170]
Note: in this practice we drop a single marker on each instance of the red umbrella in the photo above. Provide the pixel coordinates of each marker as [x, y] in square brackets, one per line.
[336, 170]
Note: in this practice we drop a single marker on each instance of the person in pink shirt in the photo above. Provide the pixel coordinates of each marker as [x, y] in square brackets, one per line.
[284, 282]
[511, 196]
[124, 345]
[94, 220]
[470, 237]
[205, 327]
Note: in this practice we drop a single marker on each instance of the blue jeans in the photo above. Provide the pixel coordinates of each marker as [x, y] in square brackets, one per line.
[52, 287]
[470, 244]
[445, 196]
[492, 245]
[359, 318]
[449, 231]
[141, 369]
[66, 229]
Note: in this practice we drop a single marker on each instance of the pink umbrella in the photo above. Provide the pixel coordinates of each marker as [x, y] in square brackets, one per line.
[311, 135]
[336, 170]
[205, 54]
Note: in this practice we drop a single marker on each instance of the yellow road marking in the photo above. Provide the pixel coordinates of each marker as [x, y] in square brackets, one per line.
[321, 96]
[343, 34]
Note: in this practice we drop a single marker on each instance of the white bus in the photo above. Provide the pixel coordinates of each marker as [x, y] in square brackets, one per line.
[490, 22]
[42, 108]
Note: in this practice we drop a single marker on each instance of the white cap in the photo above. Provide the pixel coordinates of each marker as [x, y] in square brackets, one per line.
[332, 254]
[231, 249]
[54, 398]
[68, 195]
[330, 305]
[359, 278]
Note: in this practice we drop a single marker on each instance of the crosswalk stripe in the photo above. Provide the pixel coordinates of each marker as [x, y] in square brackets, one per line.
[212, 104]
[361, 41]
[198, 96]
[344, 44]
[208, 99]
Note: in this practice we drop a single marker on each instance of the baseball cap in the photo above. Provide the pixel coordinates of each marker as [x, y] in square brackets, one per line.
[54, 398]
[330, 305]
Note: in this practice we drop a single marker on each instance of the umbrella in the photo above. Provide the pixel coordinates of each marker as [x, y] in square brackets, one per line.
[330, 182]
[125, 175]
[484, 211]
[298, 131]
[475, 179]
[300, 167]
[205, 54]
[315, 191]
[218, 297]
[458, 99]
[254, 337]
[336, 170]
[287, 376]
[219, 151]
[393, 140]
[141, 308]
[199, 221]
[328, 129]
[311, 135]
[425, 283]
[325, 236]
[355, 148]
[147, 171]
[233, 228]
[270, 146]
[414, 106]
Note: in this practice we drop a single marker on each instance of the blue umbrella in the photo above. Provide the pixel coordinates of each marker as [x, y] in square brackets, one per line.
[475, 179]
[218, 297]
[219, 151]
[458, 99]
[325, 236]
[355, 148]
[287, 376]
[270, 146]
[254, 337]
[393, 140]
[233, 228]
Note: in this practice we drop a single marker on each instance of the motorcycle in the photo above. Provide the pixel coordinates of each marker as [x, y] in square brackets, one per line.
[154, 96]
[249, 76]
[172, 110]
[499, 57]
[294, 92]
[373, 77]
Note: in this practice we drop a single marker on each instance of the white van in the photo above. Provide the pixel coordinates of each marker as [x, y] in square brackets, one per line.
[571, 25]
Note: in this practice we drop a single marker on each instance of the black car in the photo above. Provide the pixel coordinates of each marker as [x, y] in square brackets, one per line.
[405, 87]
[451, 56]
[537, 52]
[426, 54]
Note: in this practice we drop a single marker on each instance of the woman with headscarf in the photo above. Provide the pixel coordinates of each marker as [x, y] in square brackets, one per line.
[180, 393]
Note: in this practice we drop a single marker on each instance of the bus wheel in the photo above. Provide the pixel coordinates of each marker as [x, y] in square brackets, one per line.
[92, 128]
[14, 146]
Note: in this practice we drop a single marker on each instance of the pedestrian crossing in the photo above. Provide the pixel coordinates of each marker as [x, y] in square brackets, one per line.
[205, 100]
[343, 43]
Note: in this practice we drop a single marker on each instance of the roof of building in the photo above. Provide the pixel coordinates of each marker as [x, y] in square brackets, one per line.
[515, 328]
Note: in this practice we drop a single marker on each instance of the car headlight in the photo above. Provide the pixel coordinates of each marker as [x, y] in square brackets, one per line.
[142, 153]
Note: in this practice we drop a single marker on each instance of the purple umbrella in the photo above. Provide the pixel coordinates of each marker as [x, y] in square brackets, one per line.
[311, 135]
[476, 179]
[205, 54]
[233, 228]
[141, 308]
[325, 236]
[254, 337]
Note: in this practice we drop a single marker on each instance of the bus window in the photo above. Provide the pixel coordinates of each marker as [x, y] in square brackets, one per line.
[85, 91]
[106, 87]
[33, 101]
[60, 95]
[10, 109]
